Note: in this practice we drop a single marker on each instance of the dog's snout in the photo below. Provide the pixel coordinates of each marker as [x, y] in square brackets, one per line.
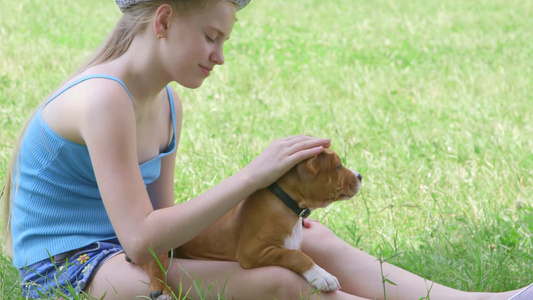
[358, 175]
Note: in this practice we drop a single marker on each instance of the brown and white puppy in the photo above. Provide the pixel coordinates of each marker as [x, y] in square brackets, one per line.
[266, 228]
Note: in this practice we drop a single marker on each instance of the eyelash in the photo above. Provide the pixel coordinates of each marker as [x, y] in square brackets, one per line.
[209, 39]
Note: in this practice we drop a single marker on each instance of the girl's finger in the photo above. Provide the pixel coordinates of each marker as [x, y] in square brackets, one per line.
[308, 143]
[307, 222]
[305, 154]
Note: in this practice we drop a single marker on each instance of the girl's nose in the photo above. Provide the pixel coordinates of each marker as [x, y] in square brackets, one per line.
[217, 57]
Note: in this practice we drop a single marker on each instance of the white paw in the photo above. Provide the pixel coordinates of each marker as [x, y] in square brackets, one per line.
[321, 279]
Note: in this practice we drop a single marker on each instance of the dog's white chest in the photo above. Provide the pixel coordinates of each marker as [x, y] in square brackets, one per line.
[294, 240]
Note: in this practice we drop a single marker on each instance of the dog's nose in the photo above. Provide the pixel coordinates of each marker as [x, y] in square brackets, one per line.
[359, 176]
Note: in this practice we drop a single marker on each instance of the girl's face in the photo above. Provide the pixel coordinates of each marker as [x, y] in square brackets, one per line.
[195, 43]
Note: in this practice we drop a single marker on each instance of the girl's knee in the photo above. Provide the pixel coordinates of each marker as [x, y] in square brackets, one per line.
[318, 232]
[319, 241]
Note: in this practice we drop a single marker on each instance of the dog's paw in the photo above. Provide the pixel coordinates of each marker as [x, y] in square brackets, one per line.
[321, 279]
[158, 295]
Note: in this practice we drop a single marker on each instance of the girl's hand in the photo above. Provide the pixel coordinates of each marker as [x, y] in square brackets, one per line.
[307, 222]
[280, 156]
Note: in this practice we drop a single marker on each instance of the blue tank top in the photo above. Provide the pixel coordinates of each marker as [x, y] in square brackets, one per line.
[56, 204]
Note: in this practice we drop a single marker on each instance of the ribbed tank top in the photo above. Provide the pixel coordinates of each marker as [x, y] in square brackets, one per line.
[56, 204]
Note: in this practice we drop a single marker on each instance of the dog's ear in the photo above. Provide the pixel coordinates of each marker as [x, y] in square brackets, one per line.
[308, 167]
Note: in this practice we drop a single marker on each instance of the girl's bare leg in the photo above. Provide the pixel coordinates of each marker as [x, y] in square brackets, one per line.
[360, 273]
[122, 280]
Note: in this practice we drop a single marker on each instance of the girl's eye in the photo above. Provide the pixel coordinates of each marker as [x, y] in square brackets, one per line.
[209, 39]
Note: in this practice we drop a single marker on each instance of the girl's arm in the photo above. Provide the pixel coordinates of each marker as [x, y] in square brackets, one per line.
[161, 191]
[107, 125]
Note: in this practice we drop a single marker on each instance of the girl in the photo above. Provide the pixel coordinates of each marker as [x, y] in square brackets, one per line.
[93, 176]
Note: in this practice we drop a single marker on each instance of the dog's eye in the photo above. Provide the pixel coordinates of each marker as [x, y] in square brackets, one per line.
[339, 167]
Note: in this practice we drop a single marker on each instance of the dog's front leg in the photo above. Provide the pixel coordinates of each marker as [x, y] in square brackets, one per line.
[294, 260]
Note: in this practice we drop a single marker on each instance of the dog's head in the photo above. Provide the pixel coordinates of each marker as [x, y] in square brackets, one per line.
[321, 180]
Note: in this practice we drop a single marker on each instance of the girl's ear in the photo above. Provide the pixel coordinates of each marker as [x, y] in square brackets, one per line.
[162, 20]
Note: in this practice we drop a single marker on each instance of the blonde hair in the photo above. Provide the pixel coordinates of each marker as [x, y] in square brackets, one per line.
[133, 21]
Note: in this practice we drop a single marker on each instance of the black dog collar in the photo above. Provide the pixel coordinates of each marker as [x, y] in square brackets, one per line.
[276, 190]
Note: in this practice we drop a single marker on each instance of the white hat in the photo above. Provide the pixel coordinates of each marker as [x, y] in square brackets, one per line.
[125, 4]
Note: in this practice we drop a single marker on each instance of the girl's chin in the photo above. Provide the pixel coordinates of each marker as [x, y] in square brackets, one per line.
[191, 84]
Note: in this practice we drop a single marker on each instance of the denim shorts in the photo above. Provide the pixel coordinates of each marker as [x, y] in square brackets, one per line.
[68, 273]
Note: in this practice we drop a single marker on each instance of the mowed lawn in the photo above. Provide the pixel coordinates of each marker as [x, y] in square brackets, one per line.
[432, 101]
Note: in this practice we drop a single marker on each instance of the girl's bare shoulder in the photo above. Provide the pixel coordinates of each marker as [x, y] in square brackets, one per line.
[86, 102]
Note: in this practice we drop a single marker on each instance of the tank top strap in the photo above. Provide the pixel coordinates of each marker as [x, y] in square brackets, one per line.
[84, 78]
[172, 111]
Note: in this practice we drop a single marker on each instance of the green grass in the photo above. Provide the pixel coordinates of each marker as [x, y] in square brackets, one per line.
[430, 100]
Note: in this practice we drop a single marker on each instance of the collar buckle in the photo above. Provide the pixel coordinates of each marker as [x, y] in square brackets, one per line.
[305, 213]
